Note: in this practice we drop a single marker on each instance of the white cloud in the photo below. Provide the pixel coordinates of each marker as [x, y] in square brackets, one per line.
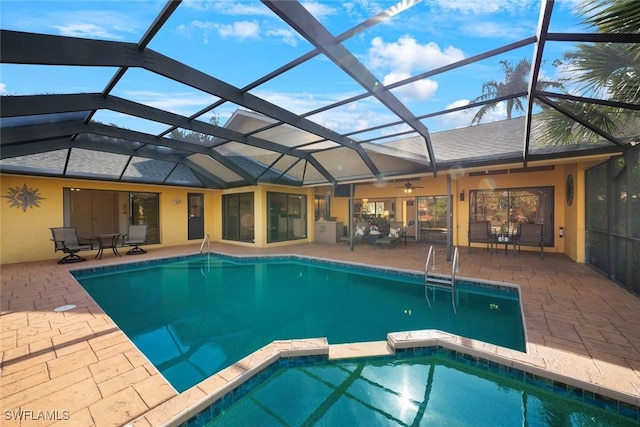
[486, 29]
[3, 89]
[407, 55]
[499, 112]
[95, 24]
[228, 8]
[318, 10]
[485, 7]
[289, 37]
[419, 90]
[240, 29]
[86, 30]
[505, 29]
[457, 119]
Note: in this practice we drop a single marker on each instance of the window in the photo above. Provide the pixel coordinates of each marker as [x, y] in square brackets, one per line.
[145, 208]
[287, 218]
[507, 208]
[322, 207]
[237, 217]
[432, 212]
[373, 209]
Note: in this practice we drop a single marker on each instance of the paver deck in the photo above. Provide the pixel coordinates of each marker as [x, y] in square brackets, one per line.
[77, 368]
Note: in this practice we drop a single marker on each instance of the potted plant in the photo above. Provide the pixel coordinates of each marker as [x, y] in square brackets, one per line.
[502, 237]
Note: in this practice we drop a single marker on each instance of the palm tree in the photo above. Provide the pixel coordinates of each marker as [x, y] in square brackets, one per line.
[515, 81]
[612, 69]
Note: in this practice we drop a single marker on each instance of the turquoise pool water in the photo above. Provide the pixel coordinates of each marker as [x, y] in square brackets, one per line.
[196, 316]
[439, 388]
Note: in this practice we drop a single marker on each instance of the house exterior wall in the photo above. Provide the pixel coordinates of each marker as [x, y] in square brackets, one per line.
[25, 235]
[570, 218]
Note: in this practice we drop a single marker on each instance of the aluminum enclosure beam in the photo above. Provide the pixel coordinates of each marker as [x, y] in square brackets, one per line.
[294, 14]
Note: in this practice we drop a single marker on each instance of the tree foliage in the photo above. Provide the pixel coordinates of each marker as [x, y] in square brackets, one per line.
[602, 70]
[516, 80]
[197, 137]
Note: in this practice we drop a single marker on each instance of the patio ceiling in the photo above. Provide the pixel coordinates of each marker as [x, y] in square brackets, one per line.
[266, 141]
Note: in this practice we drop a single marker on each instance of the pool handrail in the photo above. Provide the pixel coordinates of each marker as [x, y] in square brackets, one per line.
[444, 283]
[206, 240]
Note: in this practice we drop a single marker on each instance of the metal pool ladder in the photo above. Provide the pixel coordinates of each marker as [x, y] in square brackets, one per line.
[440, 281]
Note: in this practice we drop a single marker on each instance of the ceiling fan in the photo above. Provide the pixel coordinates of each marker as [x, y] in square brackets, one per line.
[409, 187]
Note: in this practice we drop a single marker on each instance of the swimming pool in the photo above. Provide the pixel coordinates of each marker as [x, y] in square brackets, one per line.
[419, 386]
[194, 316]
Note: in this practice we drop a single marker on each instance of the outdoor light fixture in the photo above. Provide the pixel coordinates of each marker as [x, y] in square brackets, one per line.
[408, 190]
[176, 201]
[365, 200]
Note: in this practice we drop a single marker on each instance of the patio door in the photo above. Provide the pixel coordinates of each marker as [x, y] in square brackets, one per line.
[105, 213]
[195, 211]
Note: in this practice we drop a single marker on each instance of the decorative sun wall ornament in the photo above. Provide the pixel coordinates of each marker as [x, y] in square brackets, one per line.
[24, 197]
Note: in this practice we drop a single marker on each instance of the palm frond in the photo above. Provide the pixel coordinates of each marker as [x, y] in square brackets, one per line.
[560, 129]
[611, 16]
[614, 67]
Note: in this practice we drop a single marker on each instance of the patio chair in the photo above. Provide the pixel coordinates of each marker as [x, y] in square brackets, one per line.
[66, 239]
[480, 232]
[359, 233]
[530, 235]
[136, 236]
[396, 232]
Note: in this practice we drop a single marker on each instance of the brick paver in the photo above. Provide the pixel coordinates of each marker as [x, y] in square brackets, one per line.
[79, 363]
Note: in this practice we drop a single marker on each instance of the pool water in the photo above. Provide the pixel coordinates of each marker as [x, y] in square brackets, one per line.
[428, 390]
[196, 316]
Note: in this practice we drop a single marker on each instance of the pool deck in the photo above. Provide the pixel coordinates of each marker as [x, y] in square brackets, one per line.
[78, 368]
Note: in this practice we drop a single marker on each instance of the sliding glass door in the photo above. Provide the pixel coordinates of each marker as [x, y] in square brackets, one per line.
[95, 212]
[506, 208]
[287, 219]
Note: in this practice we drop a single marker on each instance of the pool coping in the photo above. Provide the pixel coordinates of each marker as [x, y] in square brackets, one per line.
[189, 404]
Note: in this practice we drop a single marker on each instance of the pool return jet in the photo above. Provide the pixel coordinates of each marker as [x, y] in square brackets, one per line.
[441, 282]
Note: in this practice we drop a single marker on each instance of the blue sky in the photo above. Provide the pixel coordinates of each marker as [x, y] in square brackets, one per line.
[239, 41]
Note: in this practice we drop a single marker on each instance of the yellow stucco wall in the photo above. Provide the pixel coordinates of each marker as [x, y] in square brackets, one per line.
[571, 218]
[25, 235]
